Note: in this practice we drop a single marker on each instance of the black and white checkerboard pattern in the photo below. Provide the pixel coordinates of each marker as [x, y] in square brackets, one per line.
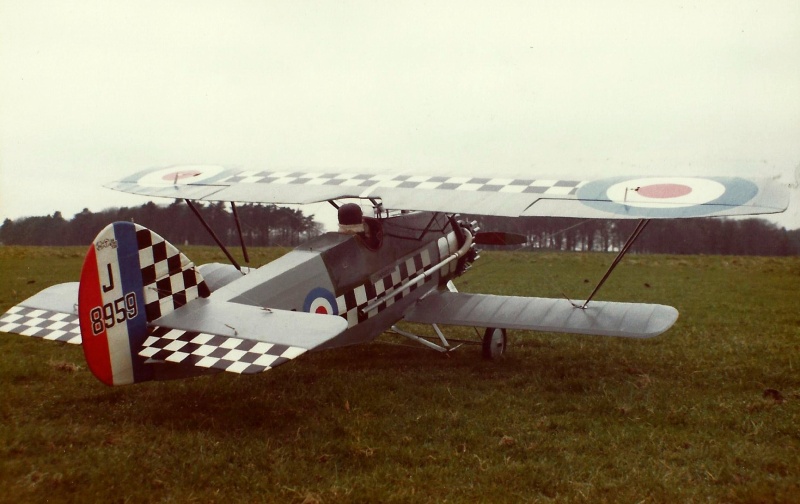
[351, 304]
[487, 184]
[49, 325]
[219, 352]
[170, 280]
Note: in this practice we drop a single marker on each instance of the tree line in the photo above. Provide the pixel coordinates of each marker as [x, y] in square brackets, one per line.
[262, 225]
[266, 225]
[717, 236]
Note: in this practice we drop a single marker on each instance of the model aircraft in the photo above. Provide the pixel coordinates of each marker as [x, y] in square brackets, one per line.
[143, 311]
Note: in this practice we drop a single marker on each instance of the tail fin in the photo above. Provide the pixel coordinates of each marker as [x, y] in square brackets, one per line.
[131, 276]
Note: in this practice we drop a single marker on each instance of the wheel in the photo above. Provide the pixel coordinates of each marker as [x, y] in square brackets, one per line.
[494, 343]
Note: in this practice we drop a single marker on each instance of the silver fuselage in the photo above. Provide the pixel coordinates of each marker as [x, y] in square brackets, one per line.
[342, 274]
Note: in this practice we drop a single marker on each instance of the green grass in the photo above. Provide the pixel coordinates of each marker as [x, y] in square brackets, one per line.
[562, 418]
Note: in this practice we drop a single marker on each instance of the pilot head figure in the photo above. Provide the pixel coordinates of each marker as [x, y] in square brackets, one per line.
[351, 219]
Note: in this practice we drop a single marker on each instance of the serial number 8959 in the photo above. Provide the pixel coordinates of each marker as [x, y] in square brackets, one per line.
[110, 314]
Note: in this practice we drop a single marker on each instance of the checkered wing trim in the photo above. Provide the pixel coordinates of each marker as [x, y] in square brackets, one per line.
[351, 304]
[472, 184]
[169, 278]
[49, 325]
[234, 355]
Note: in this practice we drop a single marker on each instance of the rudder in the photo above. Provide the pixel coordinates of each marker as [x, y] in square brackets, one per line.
[131, 276]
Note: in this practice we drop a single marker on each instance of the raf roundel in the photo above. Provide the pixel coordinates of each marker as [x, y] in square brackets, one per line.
[321, 301]
[179, 175]
[665, 192]
[667, 196]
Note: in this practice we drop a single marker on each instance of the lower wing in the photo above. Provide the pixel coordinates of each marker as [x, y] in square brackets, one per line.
[601, 318]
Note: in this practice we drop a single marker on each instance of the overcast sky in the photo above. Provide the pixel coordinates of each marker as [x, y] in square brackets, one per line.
[91, 91]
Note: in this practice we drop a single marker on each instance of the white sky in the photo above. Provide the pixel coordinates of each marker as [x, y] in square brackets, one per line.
[91, 91]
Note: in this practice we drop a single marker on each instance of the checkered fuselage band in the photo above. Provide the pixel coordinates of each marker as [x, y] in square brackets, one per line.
[49, 325]
[233, 355]
[486, 184]
[352, 303]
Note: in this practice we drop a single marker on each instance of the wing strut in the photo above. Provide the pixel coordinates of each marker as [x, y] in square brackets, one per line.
[214, 235]
[239, 229]
[624, 250]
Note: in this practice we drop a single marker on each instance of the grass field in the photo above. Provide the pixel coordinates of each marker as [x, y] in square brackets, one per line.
[709, 411]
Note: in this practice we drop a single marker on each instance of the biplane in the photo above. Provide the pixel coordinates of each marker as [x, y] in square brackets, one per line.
[143, 311]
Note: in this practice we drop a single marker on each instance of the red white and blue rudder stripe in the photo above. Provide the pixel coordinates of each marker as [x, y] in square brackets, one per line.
[131, 276]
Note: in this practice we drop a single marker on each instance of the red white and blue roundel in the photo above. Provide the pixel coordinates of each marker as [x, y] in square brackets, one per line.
[321, 301]
[178, 175]
[667, 196]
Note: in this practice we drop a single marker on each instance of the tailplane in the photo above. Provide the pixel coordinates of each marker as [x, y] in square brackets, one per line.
[131, 276]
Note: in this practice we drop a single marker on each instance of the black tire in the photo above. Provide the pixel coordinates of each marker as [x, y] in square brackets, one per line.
[494, 343]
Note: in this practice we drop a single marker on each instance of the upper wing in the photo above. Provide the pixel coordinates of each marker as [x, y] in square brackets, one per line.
[236, 338]
[602, 318]
[615, 197]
